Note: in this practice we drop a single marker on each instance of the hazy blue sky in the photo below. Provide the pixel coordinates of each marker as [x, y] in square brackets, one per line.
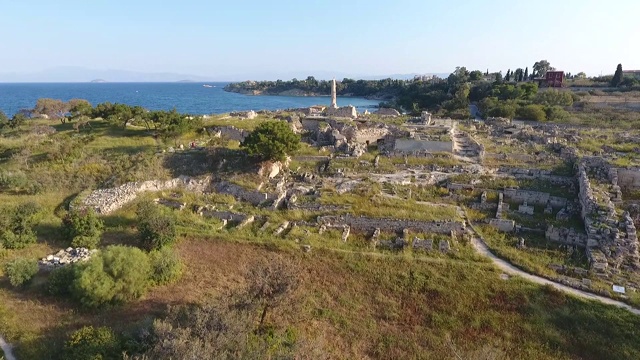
[220, 38]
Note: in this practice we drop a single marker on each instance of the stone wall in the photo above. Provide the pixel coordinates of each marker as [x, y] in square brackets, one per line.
[629, 179]
[503, 224]
[344, 111]
[106, 201]
[534, 197]
[229, 132]
[387, 112]
[254, 197]
[367, 224]
[411, 145]
[565, 236]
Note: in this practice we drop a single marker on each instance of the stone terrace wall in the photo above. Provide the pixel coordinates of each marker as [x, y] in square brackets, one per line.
[629, 179]
[251, 196]
[535, 197]
[366, 224]
[106, 201]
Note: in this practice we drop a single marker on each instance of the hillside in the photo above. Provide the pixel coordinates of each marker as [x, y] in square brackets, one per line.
[339, 294]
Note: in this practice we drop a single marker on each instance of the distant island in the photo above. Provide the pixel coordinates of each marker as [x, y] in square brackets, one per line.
[98, 81]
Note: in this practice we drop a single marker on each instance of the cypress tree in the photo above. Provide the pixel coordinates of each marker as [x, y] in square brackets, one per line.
[617, 77]
[526, 73]
[508, 76]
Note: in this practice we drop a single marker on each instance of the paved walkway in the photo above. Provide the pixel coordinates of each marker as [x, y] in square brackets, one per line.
[8, 351]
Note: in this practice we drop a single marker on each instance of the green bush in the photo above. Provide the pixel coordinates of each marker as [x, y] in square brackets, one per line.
[60, 280]
[114, 275]
[16, 225]
[156, 228]
[13, 180]
[272, 140]
[92, 343]
[502, 110]
[556, 113]
[83, 228]
[20, 271]
[17, 241]
[165, 266]
[531, 112]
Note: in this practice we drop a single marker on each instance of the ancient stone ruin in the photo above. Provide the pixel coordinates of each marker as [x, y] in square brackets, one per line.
[65, 257]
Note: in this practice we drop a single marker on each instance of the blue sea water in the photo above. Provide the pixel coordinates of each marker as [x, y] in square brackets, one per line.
[190, 98]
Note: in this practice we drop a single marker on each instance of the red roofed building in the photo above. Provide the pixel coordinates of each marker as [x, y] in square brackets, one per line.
[553, 78]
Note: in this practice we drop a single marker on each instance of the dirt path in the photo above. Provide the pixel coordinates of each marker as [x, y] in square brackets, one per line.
[482, 248]
[7, 349]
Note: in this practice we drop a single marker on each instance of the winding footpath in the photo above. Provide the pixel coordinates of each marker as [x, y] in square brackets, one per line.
[481, 247]
[7, 349]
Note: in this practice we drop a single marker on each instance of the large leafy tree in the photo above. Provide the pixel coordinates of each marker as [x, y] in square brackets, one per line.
[541, 67]
[272, 140]
[52, 108]
[617, 77]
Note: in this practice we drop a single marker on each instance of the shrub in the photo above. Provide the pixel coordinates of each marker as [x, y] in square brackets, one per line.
[114, 275]
[20, 271]
[60, 280]
[165, 266]
[272, 140]
[17, 241]
[156, 228]
[83, 228]
[556, 113]
[13, 180]
[502, 110]
[92, 343]
[531, 112]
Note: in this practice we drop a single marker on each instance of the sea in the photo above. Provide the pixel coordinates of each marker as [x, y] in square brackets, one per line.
[185, 97]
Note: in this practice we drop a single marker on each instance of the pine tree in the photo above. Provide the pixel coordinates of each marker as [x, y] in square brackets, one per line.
[617, 77]
[526, 73]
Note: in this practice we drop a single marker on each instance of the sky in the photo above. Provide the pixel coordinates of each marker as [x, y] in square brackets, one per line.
[265, 39]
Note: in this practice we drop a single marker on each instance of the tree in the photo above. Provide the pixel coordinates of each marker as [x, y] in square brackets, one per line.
[526, 73]
[92, 343]
[20, 271]
[530, 90]
[270, 281]
[83, 228]
[498, 77]
[79, 107]
[617, 77]
[581, 75]
[16, 225]
[475, 75]
[52, 108]
[165, 266]
[507, 77]
[156, 229]
[541, 67]
[114, 275]
[519, 75]
[4, 120]
[272, 140]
